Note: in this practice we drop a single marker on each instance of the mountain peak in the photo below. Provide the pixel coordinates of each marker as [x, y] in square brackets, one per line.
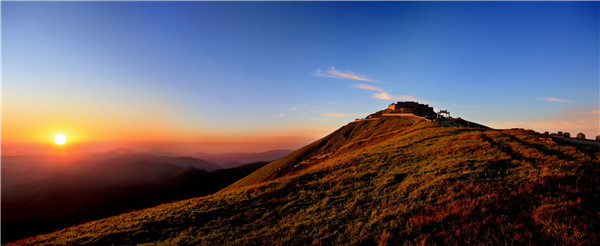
[420, 111]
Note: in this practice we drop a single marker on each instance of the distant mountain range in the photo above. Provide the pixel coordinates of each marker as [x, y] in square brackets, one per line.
[228, 159]
[45, 193]
[26, 168]
[236, 158]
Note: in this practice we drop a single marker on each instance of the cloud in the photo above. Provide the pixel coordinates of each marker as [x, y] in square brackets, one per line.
[386, 96]
[348, 75]
[383, 95]
[340, 115]
[292, 109]
[334, 73]
[368, 87]
[552, 99]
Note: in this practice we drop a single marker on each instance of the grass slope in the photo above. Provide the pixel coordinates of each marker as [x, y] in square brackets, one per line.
[350, 137]
[424, 185]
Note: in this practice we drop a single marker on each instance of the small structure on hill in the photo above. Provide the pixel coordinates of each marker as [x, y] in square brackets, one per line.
[409, 105]
[566, 134]
[598, 138]
[560, 133]
[444, 114]
[419, 111]
[580, 135]
[414, 108]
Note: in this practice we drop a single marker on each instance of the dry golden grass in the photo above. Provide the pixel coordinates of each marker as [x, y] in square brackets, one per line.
[422, 185]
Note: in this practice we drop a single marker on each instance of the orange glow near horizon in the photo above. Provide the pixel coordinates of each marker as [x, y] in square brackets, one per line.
[43, 141]
[28, 129]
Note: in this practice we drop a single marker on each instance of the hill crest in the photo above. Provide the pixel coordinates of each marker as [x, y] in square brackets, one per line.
[399, 118]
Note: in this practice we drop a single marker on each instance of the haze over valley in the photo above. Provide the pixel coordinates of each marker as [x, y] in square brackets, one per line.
[44, 193]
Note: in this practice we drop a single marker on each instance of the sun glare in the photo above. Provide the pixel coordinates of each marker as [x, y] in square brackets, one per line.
[60, 139]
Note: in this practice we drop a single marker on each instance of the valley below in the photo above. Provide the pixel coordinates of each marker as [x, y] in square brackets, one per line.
[44, 193]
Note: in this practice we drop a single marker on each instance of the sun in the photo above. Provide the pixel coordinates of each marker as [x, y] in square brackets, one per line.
[60, 139]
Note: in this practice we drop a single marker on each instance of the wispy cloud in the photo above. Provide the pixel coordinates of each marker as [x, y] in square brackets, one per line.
[334, 73]
[348, 75]
[553, 99]
[340, 115]
[368, 87]
[381, 94]
[293, 109]
[386, 96]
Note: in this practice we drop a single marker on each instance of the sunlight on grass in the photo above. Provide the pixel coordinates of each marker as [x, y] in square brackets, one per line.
[421, 185]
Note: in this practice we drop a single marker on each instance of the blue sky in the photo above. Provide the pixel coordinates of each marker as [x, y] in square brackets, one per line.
[298, 70]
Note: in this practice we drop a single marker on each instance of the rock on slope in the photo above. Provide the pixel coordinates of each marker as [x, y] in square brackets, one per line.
[393, 181]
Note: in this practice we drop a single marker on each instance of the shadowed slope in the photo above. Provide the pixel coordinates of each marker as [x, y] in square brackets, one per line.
[108, 189]
[423, 185]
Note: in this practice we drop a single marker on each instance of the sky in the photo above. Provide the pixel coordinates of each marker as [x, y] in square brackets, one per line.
[255, 76]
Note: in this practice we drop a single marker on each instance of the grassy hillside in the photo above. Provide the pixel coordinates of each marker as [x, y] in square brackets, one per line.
[353, 136]
[424, 184]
